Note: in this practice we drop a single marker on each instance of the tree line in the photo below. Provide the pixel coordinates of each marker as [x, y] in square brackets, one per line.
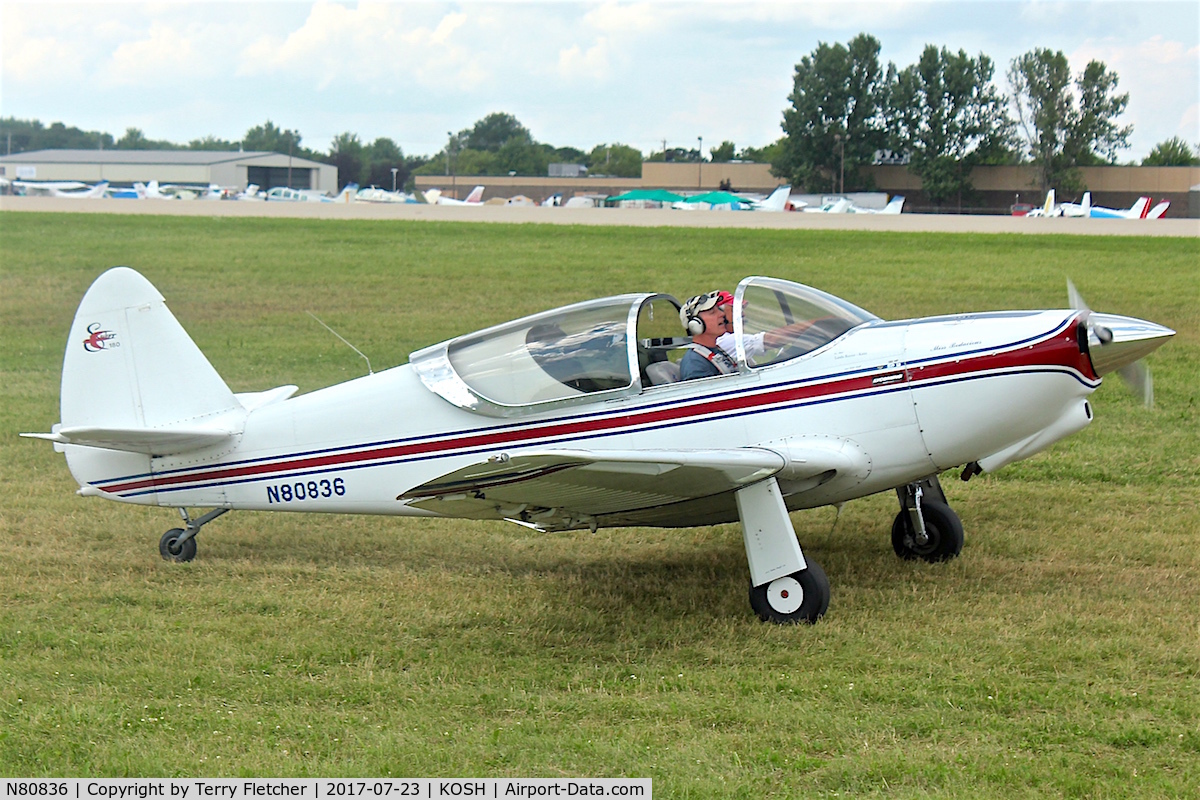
[944, 115]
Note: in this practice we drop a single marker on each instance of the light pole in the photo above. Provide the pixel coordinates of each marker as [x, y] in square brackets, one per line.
[394, 171]
[699, 162]
[841, 143]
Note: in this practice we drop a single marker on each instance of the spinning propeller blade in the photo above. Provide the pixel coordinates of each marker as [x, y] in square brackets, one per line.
[1116, 344]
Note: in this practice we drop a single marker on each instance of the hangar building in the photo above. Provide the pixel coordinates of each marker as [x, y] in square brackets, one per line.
[198, 167]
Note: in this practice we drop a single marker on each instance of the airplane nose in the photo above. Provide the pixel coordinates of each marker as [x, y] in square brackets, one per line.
[1114, 341]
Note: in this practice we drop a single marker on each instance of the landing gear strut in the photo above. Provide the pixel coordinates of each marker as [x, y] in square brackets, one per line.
[785, 587]
[179, 544]
[926, 527]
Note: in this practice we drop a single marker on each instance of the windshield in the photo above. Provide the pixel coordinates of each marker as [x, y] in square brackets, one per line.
[779, 320]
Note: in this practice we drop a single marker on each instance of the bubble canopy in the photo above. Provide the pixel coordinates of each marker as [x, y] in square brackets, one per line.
[600, 349]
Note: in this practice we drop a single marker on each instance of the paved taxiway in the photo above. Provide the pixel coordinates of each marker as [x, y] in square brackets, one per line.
[946, 223]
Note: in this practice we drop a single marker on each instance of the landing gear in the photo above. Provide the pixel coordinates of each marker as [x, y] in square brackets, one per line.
[800, 597]
[926, 527]
[785, 587]
[179, 544]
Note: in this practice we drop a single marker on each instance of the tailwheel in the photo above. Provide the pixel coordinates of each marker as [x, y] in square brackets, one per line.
[800, 597]
[173, 547]
[941, 540]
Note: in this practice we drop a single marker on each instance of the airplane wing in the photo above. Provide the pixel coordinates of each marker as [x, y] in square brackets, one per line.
[561, 489]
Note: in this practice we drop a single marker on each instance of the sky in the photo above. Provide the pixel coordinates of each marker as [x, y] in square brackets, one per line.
[574, 73]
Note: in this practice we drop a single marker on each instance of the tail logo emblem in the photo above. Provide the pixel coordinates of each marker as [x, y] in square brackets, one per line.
[99, 340]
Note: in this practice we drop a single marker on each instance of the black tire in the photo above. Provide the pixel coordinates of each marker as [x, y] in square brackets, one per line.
[171, 550]
[814, 600]
[943, 527]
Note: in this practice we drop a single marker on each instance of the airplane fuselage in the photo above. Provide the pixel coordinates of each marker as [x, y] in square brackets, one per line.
[903, 400]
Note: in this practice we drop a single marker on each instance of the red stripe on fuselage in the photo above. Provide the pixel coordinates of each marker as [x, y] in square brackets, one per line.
[1058, 351]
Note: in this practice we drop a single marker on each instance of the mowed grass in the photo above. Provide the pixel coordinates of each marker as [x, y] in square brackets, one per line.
[1058, 657]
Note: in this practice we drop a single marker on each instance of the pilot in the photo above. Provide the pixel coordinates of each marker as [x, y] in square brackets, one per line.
[704, 318]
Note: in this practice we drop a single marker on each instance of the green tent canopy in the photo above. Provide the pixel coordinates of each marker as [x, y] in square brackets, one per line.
[659, 195]
[716, 199]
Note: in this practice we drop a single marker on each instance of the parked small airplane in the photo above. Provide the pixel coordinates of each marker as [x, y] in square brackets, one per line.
[1139, 210]
[435, 197]
[843, 205]
[574, 419]
[287, 195]
[74, 189]
[373, 194]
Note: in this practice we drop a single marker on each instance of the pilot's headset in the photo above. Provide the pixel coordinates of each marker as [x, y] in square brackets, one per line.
[689, 315]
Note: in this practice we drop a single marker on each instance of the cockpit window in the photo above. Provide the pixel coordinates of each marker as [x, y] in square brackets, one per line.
[566, 353]
[781, 320]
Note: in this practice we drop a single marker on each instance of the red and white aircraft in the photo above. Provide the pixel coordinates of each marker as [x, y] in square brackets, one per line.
[574, 418]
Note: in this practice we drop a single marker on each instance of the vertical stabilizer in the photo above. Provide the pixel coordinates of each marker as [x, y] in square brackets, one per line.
[130, 364]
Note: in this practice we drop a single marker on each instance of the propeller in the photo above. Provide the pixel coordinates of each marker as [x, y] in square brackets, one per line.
[1117, 344]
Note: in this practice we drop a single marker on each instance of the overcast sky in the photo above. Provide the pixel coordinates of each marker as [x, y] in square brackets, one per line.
[576, 74]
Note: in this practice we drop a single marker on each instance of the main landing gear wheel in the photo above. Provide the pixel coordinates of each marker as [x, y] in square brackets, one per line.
[943, 534]
[171, 549]
[800, 597]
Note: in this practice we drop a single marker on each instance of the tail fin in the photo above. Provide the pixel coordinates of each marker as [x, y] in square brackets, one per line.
[1159, 210]
[1048, 208]
[895, 206]
[777, 200]
[134, 380]
[1140, 209]
[476, 195]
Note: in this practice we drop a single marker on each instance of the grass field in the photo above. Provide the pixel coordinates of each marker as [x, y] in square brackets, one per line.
[1058, 657]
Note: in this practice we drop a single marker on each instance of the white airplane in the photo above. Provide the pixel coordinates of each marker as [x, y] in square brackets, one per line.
[435, 197]
[775, 201]
[1139, 210]
[60, 189]
[574, 419]
[287, 195]
[373, 194]
[843, 205]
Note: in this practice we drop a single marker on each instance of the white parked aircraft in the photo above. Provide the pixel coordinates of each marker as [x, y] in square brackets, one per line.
[373, 194]
[562, 420]
[435, 197]
[287, 195]
[843, 205]
[74, 189]
[1139, 210]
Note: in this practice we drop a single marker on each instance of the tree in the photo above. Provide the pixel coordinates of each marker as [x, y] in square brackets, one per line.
[1040, 81]
[382, 156]
[618, 160]
[1095, 137]
[211, 142]
[1061, 132]
[835, 124]
[947, 115]
[494, 131]
[269, 137]
[763, 155]
[346, 153]
[1174, 152]
[722, 152]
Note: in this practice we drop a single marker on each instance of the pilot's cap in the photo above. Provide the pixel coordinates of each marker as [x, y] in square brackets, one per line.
[703, 302]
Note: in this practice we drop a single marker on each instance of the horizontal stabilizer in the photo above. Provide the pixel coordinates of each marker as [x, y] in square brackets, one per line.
[150, 441]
